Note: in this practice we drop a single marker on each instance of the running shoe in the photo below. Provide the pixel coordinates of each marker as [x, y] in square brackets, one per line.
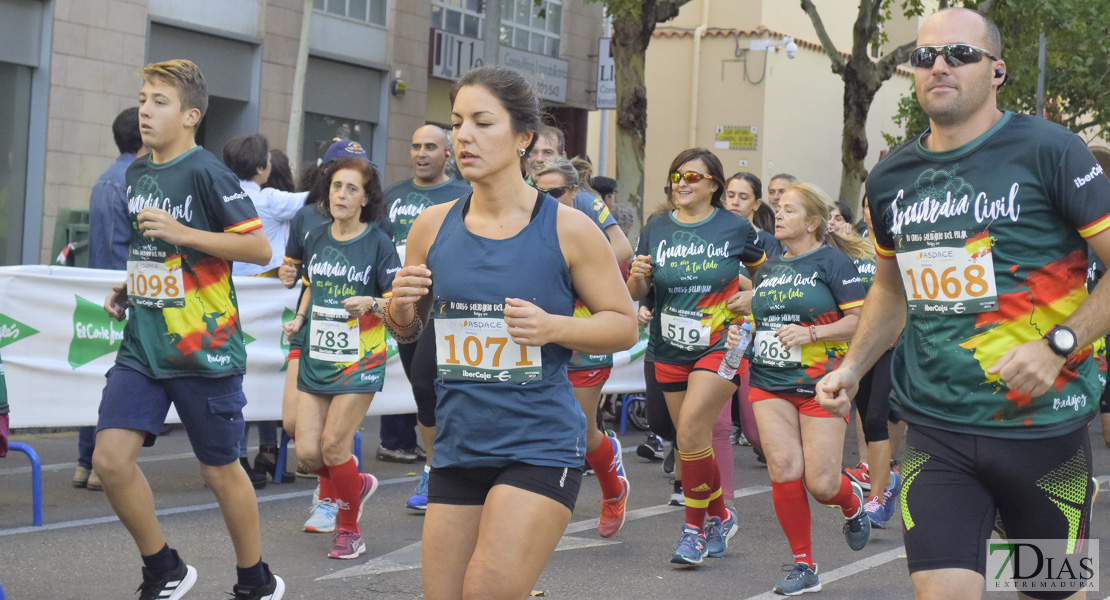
[860, 475]
[718, 533]
[170, 586]
[348, 544]
[734, 435]
[612, 512]
[742, 440]
[857, 528]
[653, 448]
[321, 518]
[690, 549]
[677, 497]
[274, 589]
[398, 455]
[369, 486]
[800, 578]
[880, 510]
[668, 462]
[419, 499]
[612, 435]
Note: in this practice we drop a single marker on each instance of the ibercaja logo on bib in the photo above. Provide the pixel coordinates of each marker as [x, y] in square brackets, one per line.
[1067, 566]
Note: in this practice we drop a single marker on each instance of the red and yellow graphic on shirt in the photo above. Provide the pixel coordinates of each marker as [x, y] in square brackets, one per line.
[209, 317]
[1048, 296]
[979, 245]
[714, 306]
[371, 336]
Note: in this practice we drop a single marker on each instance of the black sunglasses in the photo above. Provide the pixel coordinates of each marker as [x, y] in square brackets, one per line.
[954, 54]
[558, 192]
[689, 177]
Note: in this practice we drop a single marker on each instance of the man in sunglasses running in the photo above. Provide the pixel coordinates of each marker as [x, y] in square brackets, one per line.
[982, 227]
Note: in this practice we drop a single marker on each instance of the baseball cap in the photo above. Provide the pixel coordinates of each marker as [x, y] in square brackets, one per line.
[344, 149]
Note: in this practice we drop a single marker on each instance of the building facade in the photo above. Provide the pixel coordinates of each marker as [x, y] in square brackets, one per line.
[377, 70]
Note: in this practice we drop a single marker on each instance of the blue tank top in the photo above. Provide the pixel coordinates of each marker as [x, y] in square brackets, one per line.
[495, 404]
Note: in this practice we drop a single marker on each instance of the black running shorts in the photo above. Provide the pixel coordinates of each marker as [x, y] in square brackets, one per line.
[468, 486]
[954, 483]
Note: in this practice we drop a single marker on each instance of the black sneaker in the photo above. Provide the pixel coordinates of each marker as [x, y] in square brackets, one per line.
[273, 590]
[170, 586]
[668, 462]
[652, 448]
[258, 480]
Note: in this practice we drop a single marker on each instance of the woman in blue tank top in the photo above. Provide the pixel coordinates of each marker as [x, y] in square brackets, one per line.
[501, 269]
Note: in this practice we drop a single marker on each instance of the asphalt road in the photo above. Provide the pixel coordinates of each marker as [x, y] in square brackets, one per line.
[83, 552]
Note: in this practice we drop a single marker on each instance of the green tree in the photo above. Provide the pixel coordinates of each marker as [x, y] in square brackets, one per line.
[1077, 68]
[633, 23]
[862, 76]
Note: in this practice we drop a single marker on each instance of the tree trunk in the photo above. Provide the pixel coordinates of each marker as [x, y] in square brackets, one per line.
[630, 53]
[861, 83]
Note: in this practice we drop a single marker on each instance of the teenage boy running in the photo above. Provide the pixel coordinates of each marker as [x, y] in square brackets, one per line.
[183, 343]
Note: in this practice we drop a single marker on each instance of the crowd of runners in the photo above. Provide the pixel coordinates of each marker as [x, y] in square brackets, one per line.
[961, 321]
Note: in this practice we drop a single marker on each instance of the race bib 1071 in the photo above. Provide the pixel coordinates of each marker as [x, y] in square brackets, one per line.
[948, 272]
[473, 344]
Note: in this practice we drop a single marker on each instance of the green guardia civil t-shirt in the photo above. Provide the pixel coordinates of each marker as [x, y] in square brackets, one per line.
[695, 270]
[183, 316]
[989, 241]
[405, 201]
[812, 289]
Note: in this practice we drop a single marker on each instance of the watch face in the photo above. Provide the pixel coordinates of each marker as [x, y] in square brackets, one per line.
[1063, 339]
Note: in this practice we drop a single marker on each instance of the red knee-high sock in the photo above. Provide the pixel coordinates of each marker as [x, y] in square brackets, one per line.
[697, 484]
[326, 491]
[347, 483]
[792, 509]
[603, 461]
[845, 498]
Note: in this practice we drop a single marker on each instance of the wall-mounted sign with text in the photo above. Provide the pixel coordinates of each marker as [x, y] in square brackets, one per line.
[606, 74]
[736, 137]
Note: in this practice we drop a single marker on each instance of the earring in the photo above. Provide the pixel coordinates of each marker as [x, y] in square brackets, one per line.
[521, 151]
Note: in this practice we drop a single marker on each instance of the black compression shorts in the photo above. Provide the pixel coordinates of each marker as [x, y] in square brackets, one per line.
[954, 483]
[468, 486]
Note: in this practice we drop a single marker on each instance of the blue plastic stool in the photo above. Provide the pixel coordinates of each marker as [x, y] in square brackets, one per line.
[36, 483]
[627, 400]
[2, 592]
[283, 450]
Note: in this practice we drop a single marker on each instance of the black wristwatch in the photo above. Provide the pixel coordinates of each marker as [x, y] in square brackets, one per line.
[1062, 340]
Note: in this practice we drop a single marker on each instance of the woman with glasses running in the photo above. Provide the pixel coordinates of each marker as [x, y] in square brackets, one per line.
[692, 256]
[502, 269]
[806, 304]
[558, 178]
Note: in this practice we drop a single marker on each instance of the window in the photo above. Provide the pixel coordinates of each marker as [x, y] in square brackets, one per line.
[320, 130]
[366, 11]
[526, 26]
[463, 17]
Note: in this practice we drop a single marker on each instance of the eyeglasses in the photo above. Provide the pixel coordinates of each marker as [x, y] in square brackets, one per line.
[954, 54]
[690, 177]
[556, 192]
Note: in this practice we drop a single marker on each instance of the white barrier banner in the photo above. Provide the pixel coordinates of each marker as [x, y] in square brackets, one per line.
[57, 342]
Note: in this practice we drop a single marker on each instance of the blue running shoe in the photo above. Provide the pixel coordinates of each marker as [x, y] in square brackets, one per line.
[718, 533]
[321, 519]
[857, 528]
[419, 499]
[800, 579]
[881, 510]
[612, 435]
[690, 549]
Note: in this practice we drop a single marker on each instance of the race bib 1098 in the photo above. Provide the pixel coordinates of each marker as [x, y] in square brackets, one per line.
[153, 283]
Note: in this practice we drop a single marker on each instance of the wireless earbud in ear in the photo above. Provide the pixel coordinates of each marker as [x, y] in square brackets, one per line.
[998, 73]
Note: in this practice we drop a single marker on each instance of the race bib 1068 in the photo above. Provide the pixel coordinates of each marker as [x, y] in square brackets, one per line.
[473, 344]
[685, 330]
[334, 336]
[948, 272]
[152, 283]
